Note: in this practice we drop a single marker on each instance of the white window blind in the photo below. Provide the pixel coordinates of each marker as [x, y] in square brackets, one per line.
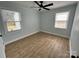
[61, 20]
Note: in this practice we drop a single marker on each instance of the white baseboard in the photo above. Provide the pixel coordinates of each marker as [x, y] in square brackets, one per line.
[29, 35]
[20, 37]
[55, 34]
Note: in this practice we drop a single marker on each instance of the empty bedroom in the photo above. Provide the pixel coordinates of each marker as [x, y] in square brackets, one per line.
[39, 29]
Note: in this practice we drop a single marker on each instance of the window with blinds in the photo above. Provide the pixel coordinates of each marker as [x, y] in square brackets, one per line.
[61, 20]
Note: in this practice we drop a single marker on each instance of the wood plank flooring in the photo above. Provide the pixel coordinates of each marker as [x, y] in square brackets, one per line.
[39, 45]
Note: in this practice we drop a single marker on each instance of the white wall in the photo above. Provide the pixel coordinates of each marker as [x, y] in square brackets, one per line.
[29, 23]
[48, 19]
[2, 49]
[0, 32]
[75, 33]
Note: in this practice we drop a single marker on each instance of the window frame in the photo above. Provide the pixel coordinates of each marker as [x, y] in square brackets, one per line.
[66, 21]
[6, 21]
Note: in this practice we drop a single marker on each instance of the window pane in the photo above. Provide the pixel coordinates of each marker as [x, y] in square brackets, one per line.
[61, 20]
[18, 26]
[16, 16]
[12, 25]
[10, 15]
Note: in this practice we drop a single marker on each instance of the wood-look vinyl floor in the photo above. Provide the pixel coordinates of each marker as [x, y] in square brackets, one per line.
[39, 45]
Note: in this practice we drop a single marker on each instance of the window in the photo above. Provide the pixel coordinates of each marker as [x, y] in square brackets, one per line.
[61, 20]
[15, 24]
[12, 20]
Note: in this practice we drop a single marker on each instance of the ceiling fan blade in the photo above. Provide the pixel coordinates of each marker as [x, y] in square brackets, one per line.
[46, 8]
[48, 5]
[37, 3]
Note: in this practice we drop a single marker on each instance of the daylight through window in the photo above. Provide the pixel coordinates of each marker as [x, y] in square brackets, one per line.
[61, 20]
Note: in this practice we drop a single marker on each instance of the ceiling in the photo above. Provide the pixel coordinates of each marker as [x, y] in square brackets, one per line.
[57, 4]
